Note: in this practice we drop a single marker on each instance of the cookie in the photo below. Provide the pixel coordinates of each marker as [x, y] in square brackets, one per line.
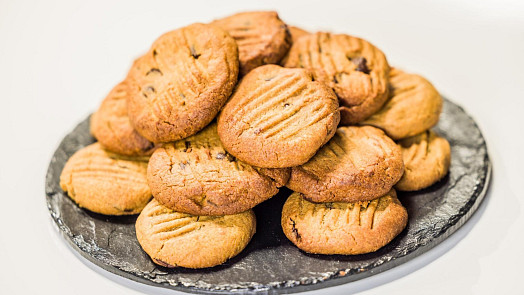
[414, 106]
[297, 32]
[427, 157]
[110, 125]
[278, 117]
[105, 182]
[180, 84]
[279, 175]
[357, 164]
[261, 36]
[174, 239]
[197, 176]
[343, 228]
[355, 69]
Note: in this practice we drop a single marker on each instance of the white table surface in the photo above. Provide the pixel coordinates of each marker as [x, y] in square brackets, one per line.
[58, 59]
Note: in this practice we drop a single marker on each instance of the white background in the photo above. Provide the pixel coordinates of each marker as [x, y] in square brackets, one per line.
[58, 59]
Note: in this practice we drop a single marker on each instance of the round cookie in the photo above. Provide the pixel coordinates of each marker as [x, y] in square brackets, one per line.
[343, 228]
[174, 239]
[197, 176]
[427, 157]
[278, 117]
[413, 107]
[180, 84]
[110, 125]
[261, 36]
[357, 164]
[105, 182]
[355, 69]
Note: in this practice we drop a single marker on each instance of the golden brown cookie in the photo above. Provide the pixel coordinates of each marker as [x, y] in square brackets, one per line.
[279, 175]
[180, 84]
[413, 107]
[427, 157]
[278, 117]
[110, 125]
[343, 228]
[197, 176]
[297, 32]
[355, 69]
[261, 36]
[174, 239]
[357, 164]
[105, 182]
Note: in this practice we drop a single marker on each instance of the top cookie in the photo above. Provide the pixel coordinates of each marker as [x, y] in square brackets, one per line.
[414, 106]
[197, 176]
[278, 117]
[110, 125]
[261, 36]
[357, 164]
[180, 84]
[355, 69]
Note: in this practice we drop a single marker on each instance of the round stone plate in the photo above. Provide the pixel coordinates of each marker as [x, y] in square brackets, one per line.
[270, 263]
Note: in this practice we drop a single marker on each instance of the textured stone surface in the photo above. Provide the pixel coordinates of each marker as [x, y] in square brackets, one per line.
[270, 263]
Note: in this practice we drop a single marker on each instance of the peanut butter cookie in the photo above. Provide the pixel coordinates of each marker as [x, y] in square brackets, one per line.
[279, 175]
[105, 182]
[427, 157]
[414, 106]
[261, 36]
[357, 164]
[297, 32]
[110, 125]
[343, 228]
[179, 86]
[174, 239]
[355, 69]
[278, 117]
[197, 176]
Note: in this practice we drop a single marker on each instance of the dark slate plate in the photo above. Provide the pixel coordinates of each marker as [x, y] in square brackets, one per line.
[270, 263]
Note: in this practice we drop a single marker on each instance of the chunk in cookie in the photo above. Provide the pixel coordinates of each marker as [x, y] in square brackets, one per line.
[278, 117]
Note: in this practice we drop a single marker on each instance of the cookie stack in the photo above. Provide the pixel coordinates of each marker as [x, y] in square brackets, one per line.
[317, 113]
